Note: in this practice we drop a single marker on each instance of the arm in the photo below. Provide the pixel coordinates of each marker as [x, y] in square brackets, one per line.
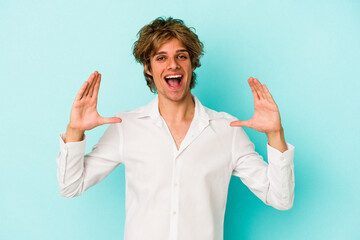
[273, 183]
[77, 172]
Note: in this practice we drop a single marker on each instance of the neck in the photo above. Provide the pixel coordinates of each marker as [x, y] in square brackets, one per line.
[176, 112]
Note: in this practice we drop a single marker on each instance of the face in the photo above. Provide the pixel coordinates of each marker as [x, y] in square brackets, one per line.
[171, 70]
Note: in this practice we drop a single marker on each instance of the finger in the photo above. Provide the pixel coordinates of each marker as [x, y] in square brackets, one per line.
[259, 89]
[252, 86]
[81, 91]
[110, 120]
[268, 94]
[240, 123]
[90, 80]
[96, 88]
[92, 85]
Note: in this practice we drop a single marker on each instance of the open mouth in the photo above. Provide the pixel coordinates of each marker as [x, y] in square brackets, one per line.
[174, 81]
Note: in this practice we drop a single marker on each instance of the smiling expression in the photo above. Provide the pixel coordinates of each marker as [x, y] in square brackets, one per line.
[171, 71]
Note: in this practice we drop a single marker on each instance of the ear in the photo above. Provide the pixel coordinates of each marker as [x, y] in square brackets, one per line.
[192, 67]
[147, 69]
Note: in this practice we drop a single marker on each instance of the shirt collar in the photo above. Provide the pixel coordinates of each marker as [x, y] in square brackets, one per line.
[152, 110]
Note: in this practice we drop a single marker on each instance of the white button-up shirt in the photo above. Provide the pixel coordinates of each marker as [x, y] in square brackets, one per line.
[176, 194]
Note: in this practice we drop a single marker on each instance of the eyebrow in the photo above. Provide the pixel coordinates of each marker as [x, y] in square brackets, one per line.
[180, 50]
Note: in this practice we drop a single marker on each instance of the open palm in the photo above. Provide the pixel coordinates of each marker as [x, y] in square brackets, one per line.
[84, 114]
[266, 117]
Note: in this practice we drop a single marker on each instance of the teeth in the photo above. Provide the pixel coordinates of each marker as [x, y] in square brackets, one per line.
[173, 76]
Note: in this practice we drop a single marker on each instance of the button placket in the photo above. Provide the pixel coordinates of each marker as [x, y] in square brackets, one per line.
[175, 184]
[174, 196]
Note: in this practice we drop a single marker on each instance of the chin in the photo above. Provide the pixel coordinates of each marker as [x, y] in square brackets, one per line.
[178, 97]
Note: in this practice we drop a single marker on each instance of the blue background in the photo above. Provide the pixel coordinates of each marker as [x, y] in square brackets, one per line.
[307, 52]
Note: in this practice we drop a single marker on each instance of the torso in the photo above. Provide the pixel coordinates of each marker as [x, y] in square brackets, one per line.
[178, 132]
[178, 116]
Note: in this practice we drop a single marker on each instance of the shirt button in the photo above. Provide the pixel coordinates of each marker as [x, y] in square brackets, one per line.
[283, 185]
[174, 213]
[282, 158]
[175, 185]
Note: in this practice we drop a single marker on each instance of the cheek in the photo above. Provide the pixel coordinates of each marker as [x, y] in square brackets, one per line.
[157, 70]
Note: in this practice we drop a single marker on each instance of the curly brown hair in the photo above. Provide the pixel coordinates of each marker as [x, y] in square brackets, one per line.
[159, 31]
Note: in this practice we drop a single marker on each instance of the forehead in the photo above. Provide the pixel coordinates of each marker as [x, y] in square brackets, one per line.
[170, 46]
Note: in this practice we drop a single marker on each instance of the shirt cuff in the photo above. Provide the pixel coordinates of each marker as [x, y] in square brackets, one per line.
[280, 158]
[70, 144]
[70, 150]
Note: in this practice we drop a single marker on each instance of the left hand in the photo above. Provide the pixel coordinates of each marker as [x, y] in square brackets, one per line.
[266, 117]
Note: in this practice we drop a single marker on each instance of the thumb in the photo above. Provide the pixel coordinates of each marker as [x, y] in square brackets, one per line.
[110, 120]
[240, 123]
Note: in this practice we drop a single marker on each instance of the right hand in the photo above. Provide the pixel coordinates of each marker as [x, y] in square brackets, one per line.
[84, 115]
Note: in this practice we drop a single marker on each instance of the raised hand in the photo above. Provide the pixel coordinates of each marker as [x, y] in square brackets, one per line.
[266, 117]
[84, 115]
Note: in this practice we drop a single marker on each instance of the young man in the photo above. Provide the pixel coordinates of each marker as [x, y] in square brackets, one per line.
[179, 156]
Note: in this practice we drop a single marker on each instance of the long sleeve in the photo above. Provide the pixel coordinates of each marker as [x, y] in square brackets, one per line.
[76, 172]
[274, 182]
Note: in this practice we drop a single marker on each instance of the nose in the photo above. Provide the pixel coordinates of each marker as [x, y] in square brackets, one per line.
[173, 64]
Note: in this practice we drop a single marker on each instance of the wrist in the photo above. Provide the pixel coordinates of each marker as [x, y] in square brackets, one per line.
[276, 140]
[74, 134]
[276, 134]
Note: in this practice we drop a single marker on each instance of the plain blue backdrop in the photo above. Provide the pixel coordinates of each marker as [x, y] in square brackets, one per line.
[306, 52]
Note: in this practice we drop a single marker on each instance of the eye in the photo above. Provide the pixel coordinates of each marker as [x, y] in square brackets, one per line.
[161, 58]
[182, 56]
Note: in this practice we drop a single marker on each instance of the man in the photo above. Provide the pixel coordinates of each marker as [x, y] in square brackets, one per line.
[179, 156]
